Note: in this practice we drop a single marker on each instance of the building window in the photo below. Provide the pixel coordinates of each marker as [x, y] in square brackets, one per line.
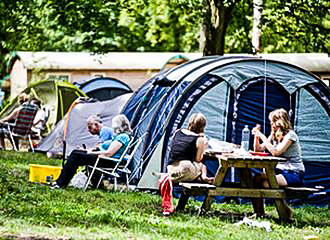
[98, 75]
[326, 79]
[63, 77]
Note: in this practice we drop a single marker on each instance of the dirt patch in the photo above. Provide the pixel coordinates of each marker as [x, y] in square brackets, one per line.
[20, 237]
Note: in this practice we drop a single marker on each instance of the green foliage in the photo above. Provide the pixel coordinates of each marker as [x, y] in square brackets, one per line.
[163, 25]
[34, 210]
[296, 26]
[238, 37]
[150, 25]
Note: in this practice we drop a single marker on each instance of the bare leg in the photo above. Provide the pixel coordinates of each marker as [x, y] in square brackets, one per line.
[281, 180]
[158, 174]
[204, 176]
[2, 143]
[261, 181]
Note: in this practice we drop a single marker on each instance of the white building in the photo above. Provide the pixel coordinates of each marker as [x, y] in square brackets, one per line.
[131, 68]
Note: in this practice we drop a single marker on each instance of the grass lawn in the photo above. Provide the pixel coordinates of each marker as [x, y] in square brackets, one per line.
[33, 211]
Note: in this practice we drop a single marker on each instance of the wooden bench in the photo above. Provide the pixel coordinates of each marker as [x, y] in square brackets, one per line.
[196, 189]
[300, 192]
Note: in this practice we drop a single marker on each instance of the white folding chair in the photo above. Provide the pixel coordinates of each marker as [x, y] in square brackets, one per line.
[112, 171]
[124, 169]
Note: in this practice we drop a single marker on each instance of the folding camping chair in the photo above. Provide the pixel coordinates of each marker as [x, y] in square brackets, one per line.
[21, 128]
[120, 165]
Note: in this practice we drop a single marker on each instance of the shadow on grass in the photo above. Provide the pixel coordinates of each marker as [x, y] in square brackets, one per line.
[302, 218]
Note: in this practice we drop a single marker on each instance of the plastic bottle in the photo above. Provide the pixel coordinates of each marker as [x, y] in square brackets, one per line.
[245, 138]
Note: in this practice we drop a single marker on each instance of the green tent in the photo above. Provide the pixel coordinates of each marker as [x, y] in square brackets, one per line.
[56, 96]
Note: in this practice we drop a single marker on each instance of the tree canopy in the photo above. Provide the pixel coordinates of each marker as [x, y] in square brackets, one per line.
[296, 26]
[167, 25]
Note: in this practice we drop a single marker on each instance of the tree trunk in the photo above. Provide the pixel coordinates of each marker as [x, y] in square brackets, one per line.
[3, 63]
[256, 33]
[215, 23]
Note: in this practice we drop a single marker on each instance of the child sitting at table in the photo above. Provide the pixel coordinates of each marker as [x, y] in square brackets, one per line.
[282, 142]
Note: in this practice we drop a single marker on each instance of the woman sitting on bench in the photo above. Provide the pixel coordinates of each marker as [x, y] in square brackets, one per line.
[187, 151]
[282, 142]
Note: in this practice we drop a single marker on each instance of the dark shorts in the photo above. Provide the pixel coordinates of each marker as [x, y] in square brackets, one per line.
[293, 178]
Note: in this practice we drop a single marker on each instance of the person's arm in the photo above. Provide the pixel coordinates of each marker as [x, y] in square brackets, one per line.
[37, 122]
[281, 148]
[113, 148]
[258, 147]
[11, 116]
[201, 144]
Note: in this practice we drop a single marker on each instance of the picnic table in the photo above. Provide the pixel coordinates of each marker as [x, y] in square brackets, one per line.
[245, 187]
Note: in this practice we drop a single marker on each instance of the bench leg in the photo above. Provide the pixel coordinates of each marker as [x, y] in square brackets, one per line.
[182, 201]
[207, 203]
[247, 181]
[283, 209]
[258, 206]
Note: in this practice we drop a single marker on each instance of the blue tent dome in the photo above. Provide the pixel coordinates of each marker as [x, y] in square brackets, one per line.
[104, 88]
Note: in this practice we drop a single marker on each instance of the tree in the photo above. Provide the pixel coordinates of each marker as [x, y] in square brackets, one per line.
[168, 25]
[296, 26]
[176, 25]
[216, 18]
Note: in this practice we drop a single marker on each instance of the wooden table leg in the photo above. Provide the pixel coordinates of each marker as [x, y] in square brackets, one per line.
[247, 181]
[218, 180]
[283, 209]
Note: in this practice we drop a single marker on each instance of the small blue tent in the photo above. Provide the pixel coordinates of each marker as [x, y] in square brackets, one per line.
[231, 92]
[104, 88]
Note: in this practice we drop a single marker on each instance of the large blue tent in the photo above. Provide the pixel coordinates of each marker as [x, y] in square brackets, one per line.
[231, 92]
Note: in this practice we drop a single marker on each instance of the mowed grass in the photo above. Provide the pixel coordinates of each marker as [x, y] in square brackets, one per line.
[33, 211]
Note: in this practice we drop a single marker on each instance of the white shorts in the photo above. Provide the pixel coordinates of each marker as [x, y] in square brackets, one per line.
[184, 170]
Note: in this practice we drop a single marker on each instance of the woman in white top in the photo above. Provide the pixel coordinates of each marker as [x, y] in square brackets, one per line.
[282, 142]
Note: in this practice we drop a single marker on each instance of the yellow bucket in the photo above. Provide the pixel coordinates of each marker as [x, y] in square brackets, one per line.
[43, 173]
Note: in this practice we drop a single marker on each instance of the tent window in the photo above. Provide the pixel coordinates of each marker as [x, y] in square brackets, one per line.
[58, 77]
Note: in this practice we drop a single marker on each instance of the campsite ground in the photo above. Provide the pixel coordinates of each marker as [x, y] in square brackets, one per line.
[33, 211]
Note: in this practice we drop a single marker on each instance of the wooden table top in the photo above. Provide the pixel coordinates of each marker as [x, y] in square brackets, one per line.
[236, 157]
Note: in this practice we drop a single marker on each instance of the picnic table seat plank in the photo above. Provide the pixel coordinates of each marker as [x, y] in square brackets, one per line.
[300, 192]
[199, 188]
[196, 185]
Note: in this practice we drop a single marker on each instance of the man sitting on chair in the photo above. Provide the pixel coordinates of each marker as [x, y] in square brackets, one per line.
[113, 148]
